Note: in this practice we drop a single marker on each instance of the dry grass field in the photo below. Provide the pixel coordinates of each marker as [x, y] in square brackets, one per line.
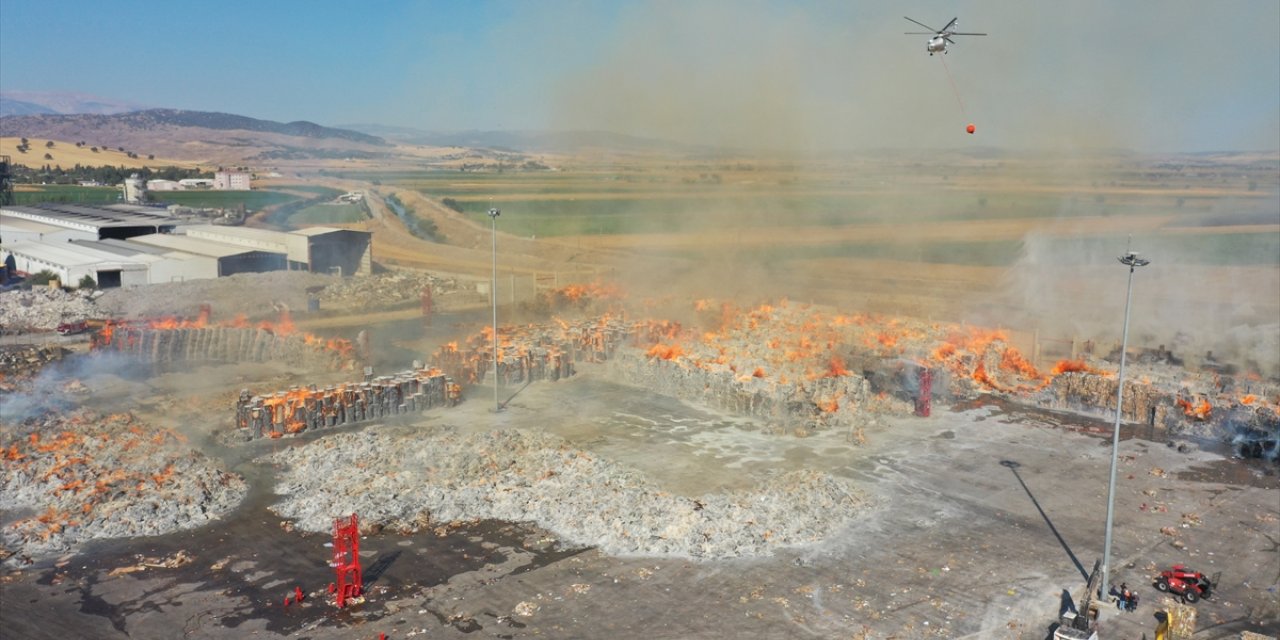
[66, 154]
[1026, 244]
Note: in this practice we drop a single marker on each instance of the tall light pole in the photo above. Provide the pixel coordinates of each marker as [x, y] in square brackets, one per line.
[493, 293]
[1131, 260]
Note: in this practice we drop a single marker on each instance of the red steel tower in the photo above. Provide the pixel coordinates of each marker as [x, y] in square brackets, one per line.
[346, 560]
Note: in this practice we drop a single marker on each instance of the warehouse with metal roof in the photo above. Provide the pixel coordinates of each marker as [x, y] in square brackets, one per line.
[103, 222]
[22, 230]
[231, 259]
[316, 249]
[71, 263]
[163, 264]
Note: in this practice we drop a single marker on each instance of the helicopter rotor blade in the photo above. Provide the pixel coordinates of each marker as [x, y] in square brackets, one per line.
[950, 24]
[956, 33]
[919, 33]
[931, 29]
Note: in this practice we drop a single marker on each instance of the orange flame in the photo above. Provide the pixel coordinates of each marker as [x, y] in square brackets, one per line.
[1198, 411]
[1072, 366]
[665, 352]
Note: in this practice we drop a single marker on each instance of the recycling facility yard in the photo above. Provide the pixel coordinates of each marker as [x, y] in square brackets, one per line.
[759, 490]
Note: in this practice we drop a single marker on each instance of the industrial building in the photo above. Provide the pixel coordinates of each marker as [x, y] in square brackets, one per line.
[230, 259]
[316, 249]
[15, 230]
[97, 222]
[231, 181]
[163, 264]
[163, 185]
[125, 244]
[72, 263]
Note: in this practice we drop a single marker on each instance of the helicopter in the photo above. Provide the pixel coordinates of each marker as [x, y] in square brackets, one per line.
[940, 37]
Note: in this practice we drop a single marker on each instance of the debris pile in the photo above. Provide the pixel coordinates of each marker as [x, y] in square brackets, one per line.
[43, 308]
[171, 340]
[225, 295]
[25, 360]
[70, 478]
[303, 408]
[538, 352]
[1220, 406]
[383, 289]
[522, 476]
[803, 367]
[578, 297]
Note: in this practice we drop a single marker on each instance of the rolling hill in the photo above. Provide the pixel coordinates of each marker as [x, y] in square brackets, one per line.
[198, 136]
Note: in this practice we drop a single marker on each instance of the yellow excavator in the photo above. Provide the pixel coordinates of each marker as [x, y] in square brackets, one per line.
[1082, 622]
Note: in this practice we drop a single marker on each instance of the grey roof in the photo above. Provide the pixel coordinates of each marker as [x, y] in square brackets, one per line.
[82, 215]
[23, 224]
[122, 247]
[198, 246]
[65, 254]
[248, 233]
[319, 231]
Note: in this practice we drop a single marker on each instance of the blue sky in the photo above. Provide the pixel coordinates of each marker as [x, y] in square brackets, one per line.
[1167, 76]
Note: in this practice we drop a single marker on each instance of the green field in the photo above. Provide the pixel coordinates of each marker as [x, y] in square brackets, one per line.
[328, 214]
[315, 190]
[706, 197]
[68, 193]
[252, 200]
[548, 217]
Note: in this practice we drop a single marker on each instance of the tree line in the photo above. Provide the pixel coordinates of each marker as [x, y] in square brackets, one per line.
[56, 174]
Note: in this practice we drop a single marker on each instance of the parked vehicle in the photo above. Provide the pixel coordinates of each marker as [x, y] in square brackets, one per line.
[1188, 583]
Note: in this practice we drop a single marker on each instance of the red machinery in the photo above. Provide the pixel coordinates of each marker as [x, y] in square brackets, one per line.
[346, 560]
[1188, 583]
[924, 399]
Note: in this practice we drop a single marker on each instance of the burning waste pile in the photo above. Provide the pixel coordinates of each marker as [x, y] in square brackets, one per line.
[300, 409]
[433, 478]
[529, 353]
[26, 360]
[70, 478]
[590, 297]
[804, 368]
[172, 340]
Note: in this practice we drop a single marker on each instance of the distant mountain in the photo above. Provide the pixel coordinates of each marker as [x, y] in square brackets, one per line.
[526, 141]
[20, 103]
[154, 118]
[199, 136]
[9, 107]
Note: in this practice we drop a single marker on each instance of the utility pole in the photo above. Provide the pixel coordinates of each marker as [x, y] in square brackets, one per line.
[1131, 260]
[493, 294]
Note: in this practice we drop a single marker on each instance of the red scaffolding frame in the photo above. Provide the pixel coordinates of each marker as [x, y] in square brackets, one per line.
[346, 560]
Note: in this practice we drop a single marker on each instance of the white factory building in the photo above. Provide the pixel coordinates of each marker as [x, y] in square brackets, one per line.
[231, 181]
[112, 221]
[163, 264]
[71, 263]
[164, 185]
[14, 230]
[229, 259]
[317, 249]
[124, 245]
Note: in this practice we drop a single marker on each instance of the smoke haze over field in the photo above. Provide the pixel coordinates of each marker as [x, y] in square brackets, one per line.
[843, 75]
[824, 74]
